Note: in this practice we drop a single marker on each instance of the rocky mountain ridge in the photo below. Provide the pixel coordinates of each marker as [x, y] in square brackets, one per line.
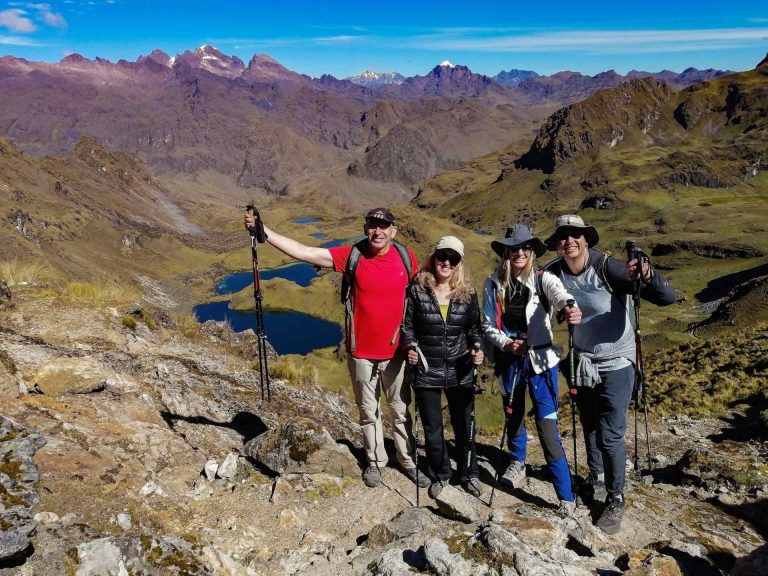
[153, 453]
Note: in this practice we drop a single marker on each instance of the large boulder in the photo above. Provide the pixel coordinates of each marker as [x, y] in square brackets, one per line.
[301, 446]
[406, 523]
[18, 477]
[458, 505]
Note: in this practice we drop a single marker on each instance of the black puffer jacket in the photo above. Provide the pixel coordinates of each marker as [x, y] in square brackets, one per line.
[445, 345]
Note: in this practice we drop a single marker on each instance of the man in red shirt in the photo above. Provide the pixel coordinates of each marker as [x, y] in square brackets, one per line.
[375, 364]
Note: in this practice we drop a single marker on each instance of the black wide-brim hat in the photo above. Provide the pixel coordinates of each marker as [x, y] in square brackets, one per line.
[515, 236]
[572, 222]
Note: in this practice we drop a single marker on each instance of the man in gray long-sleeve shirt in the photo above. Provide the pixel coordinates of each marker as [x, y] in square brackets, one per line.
[605, 346]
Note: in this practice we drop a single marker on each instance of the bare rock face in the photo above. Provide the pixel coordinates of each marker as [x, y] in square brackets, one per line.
[5, 294]
[18, 477]
[459, 505]
[409, 521]
[601, 120]
[655, 564]
[71, 376]
[533, 531]
[443, 563]
[301, 446]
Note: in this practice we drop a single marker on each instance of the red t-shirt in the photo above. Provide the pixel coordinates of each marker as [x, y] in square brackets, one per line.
[378, 299]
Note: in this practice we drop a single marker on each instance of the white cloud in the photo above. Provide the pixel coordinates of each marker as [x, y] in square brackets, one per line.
[46, 15]
[616, 41]
[52, 19]
[16, 20]
[331, 40]
[18, 41]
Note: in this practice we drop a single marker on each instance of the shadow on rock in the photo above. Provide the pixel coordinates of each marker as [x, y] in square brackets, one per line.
[756, 513]
[247, 424]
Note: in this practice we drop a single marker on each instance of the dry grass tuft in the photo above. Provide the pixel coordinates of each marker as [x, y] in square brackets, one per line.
[102, 292]
[16, 272]
[186, 323]
[293, 372]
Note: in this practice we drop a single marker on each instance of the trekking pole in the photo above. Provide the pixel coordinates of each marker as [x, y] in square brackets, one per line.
[416, 442]
[471, 435]
[259, 236]
[634, 254]
[504, 430]
[572, 393]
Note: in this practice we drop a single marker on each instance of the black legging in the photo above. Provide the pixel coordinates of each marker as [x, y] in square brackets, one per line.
[461, 403]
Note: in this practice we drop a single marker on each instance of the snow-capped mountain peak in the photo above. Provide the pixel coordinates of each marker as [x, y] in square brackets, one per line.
[213, 60]
[447, 64]
[373, 79]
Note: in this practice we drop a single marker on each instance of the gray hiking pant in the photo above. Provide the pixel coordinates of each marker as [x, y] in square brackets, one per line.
[603, 413]
[369, 379]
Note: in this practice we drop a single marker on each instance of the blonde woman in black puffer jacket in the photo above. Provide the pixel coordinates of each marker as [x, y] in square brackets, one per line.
[442, 333]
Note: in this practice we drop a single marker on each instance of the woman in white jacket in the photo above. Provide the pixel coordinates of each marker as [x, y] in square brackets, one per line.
[517, 324]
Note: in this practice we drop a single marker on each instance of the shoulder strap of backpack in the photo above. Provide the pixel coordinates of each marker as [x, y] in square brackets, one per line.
[405, 256]
[348, 279]
[543, 300]
[554, 268]
[601, 267]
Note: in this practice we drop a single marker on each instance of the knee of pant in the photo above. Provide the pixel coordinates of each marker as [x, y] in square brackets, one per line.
[368, 413]
[549, 441]
[613, 447]
[611, 437]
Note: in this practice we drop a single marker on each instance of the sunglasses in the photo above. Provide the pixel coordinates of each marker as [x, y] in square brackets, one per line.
[376, 223]
[451, 257]
[524, 249]
[566, 235]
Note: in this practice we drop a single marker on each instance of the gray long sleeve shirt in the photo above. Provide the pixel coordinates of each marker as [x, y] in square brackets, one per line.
[606, 331]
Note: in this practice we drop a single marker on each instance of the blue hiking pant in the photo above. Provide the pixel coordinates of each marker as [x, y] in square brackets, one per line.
[603, 414]
[543, 391]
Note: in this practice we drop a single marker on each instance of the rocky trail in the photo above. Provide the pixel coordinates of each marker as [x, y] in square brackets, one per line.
[136, 451]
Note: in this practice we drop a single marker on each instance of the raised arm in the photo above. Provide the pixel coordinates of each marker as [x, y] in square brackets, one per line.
[298, 251]
[294, 248]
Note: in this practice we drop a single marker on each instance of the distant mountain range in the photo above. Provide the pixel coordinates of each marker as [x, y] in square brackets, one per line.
[264, 126]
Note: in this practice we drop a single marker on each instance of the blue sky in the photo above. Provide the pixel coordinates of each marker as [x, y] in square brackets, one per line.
[345, 38]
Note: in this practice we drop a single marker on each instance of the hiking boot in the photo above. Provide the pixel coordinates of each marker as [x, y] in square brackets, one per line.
[566, 509]
[472, 486]
[610, 520]
[372, 476]
[593, 489]
[436, 487]
[410, 473]
[514, 474]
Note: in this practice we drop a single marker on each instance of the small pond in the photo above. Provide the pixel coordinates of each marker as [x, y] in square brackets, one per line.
[288, 332]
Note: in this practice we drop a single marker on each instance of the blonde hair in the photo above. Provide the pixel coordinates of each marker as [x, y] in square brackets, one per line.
[460, 282]
[505, 275]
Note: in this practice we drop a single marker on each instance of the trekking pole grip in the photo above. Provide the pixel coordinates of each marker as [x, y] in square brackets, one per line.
[257, 231]
[570, 303]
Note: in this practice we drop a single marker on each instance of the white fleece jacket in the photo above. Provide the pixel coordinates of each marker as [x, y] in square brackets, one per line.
[539, 325]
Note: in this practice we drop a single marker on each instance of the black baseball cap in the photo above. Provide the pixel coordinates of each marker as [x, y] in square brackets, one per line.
[380, 214]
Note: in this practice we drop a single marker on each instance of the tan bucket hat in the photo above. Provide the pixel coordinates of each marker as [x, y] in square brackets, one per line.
[574, 223]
